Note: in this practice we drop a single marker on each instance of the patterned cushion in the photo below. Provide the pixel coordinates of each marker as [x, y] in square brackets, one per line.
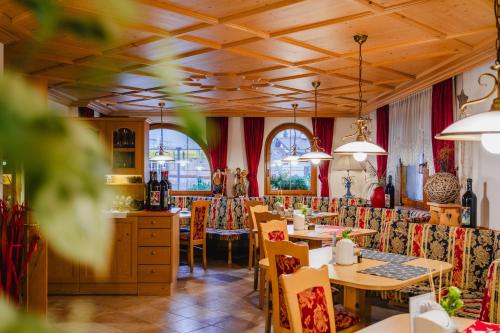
[344, 319]
[199, 218]
[490, 302]
[314, 310]
[276, 235]
[226, 235]
[285, 265]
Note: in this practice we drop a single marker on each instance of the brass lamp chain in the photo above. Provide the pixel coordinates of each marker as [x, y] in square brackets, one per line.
[294, 106]
[360, 82]
[161, 104]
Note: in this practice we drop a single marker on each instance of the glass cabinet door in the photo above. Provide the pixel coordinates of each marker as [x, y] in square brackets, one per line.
[126, 140]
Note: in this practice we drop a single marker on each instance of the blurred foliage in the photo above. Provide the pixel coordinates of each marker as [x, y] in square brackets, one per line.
[284, 182]
[63, 162]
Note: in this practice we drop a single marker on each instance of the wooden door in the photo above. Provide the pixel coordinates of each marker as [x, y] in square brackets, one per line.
[123, 263]
[125, 140]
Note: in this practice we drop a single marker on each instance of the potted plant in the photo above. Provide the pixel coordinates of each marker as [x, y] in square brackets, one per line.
[452, 302]
[345, 249]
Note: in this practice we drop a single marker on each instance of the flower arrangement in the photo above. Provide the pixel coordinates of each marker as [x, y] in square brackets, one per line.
[453, 301]
[346, 234]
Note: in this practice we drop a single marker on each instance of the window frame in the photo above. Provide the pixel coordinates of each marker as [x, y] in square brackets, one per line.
[203, 147]
[313, 191]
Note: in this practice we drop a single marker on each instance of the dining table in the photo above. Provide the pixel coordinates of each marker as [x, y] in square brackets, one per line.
[356, 284]
[324, 233]
[401, 324]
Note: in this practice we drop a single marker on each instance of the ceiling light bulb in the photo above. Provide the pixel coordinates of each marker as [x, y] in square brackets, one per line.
[491, 142]
[360, 157]
[315, 161]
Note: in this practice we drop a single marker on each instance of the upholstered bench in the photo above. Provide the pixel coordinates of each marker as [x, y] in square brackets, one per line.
[469, 250]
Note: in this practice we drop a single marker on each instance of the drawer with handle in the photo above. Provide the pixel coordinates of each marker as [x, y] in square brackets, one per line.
[154, 273]
[155, 222]
[154, 255]
[154, 237]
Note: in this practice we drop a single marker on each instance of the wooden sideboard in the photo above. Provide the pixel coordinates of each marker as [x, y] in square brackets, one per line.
[145, 260]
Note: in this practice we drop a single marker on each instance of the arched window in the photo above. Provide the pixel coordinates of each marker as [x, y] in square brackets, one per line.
[296, 178]
[190, 172]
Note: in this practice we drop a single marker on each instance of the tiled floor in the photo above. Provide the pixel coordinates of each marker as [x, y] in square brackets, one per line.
[219, 300]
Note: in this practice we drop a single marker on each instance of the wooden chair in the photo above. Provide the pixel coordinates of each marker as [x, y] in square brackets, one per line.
[274, 230]
[260, 276]
[284, 258]
[308, 300]
[309, 303]
[252, 243]
[197, 234]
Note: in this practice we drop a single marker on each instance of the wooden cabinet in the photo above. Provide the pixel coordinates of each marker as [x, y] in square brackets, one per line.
[144, 261]
[125, 140]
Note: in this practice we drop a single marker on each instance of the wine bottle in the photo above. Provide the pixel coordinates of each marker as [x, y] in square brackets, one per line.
[148, 190]
[155, 193]
[163, 191]
[469, 207]
[389, 194]
[169, 191]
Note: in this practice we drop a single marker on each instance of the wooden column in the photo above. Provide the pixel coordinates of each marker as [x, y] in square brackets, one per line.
[35, 297]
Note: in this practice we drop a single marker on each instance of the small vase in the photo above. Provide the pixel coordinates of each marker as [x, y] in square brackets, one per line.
[378, 197]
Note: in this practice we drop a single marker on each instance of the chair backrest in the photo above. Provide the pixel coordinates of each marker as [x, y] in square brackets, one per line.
[263, 218]
[274, 230]
[251, 214]
[199, 217]
[490, 306]
[284, 258]
[309, 300]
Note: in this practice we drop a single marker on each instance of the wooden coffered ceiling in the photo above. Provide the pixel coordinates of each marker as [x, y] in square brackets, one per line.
[257, 57]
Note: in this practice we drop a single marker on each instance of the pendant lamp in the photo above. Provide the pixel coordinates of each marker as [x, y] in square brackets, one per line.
[485, 126]
[161, 156]
[317, 154]
[361, 147]
[293, 158]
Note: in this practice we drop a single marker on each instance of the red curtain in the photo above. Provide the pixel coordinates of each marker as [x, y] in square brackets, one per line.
[254, 134]
[442, 115]
[217, 142]
[323, 128]
[382, 138]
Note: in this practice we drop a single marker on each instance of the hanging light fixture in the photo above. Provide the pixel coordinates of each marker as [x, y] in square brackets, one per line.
[361, 147]
[484, 127]
[161, 156]
[293, 158]
[317, 154]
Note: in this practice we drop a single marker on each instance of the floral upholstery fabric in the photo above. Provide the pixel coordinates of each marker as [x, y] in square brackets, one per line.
[314, 310]
[276, 235]
[344, 319]
[199, 218]
[490, 302]
[285, 265]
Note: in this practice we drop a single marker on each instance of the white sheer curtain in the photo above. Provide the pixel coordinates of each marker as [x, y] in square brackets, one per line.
[410, 134]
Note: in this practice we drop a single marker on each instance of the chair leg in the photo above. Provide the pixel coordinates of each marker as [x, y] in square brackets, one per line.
[262, 287]
[230, 252]
[256, 277]
[250, 252]
[267, 311]
[191, 258]
[204, 253]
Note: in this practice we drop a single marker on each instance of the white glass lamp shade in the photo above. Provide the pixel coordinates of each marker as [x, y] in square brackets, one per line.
[315, 157]
[357, 147]
[161, 157]
[484, 127]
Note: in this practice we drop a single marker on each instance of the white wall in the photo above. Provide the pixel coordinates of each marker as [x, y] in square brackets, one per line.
[485, 166]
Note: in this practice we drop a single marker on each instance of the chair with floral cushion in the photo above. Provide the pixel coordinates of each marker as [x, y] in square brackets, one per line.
[252, 242]
[197, 234]
[310, 303]
[284, 258]
[273, 230]
[260, 275]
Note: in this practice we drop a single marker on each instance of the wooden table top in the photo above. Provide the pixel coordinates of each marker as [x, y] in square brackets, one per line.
[327, 233]
[349, 276]
[401, 324]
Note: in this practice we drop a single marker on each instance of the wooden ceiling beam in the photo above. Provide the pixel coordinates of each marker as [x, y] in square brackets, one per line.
[180, 10]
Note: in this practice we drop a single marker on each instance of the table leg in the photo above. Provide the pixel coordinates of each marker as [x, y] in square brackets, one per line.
[229, 252]
[314, 244]
[355, 301]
